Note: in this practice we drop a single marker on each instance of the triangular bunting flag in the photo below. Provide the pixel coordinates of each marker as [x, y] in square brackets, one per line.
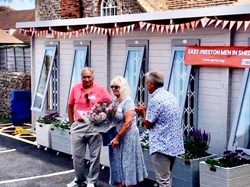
[182, 27]
[224, 24]
[176, 28]
[171, 28]
[167, 28]
[132, 27]
[152, 27]
[211, 21]
[231, 24]
[162, 28]
[239, 23]
[187, 25]
[204, 21]
[142, 24]
[157, 28]
[246, 25]
[217, 23]
[193, 24]
[148, 25]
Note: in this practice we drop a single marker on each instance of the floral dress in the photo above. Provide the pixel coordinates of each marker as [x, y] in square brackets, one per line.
[126, 161]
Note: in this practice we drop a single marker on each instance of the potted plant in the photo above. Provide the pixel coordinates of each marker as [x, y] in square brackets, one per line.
[60, 136]
[43, 128]
[186, 167]
[233, 169]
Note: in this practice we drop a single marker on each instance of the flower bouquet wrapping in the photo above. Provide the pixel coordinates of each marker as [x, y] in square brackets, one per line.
[101, 116]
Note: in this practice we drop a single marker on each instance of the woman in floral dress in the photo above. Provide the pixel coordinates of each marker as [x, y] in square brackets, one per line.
[127, 167]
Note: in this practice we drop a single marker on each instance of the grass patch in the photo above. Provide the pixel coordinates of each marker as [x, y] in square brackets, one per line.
[5, 119]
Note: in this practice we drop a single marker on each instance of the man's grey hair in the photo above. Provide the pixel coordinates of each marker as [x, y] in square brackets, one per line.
[87, 69]
[156, 77]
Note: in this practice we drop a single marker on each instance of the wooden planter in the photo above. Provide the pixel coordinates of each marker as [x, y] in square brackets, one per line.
[225, 177]
[186, 172]
[60, 140]
[149, 165]
[43, 135]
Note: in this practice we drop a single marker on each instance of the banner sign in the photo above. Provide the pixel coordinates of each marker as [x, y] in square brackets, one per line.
[218, 56]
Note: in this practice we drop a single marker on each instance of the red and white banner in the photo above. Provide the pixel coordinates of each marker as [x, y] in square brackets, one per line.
[218, 56]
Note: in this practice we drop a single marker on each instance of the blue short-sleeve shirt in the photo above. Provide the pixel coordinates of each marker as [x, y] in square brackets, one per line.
[167, 134]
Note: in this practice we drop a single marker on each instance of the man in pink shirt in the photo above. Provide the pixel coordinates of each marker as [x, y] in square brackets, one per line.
[83, 97]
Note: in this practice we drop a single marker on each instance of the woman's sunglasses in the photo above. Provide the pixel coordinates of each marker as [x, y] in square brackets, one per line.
[114, 87]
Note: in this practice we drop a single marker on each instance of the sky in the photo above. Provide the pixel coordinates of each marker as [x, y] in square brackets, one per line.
[18, 4]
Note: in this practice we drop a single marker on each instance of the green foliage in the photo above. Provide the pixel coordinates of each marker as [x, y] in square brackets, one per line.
[196, 144]
[49, 118]
[5, 8]
[61, 124]
[5, 119]
[229, 159]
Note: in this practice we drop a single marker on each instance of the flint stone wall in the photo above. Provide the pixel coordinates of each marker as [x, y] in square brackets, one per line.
[11, 81]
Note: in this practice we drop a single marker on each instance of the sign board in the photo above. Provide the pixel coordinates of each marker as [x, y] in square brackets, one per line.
[218, 56]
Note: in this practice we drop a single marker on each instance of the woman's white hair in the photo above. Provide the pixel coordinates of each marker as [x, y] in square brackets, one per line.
[124, 87]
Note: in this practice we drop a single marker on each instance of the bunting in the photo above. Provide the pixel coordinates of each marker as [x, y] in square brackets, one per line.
[159, 28]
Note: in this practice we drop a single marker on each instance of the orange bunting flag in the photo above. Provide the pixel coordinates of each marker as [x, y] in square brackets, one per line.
[182, 27]
[193, 25]
[157, 28]
[188, 26]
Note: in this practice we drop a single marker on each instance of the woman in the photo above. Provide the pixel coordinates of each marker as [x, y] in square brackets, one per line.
[125, 153]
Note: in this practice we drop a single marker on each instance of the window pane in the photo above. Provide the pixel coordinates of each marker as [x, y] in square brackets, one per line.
[44, 78]
[78, 64]
[243, 128]
[133, 69]
[179, 76]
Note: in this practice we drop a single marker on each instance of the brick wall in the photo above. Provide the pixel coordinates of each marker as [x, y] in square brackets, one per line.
[12, 81]
[182, 4]
[66, 9]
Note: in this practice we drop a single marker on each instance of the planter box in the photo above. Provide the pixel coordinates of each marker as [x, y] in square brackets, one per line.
[225, 177]
[186, 173]
[43, 135]
[60, 140]
[149, 165]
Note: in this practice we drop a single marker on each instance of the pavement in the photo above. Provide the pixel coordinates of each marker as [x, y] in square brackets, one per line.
[23, 164]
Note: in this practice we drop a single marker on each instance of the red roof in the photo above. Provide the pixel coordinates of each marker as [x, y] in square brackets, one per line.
[8, 21]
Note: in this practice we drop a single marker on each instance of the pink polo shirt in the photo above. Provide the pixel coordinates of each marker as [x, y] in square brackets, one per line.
[78, 98]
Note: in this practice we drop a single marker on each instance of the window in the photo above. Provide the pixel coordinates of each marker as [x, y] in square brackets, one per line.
[183, 83]
[81, 59]
[47, 85]
[240, 134]
[135, 69]
[109, 8]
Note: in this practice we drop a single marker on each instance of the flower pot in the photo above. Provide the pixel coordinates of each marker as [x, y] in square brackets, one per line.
[43, 135]
[186, 172]
[238, 176]
[60, 140]
[149, 165]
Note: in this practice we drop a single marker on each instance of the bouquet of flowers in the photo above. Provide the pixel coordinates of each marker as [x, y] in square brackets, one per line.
[101, 115]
